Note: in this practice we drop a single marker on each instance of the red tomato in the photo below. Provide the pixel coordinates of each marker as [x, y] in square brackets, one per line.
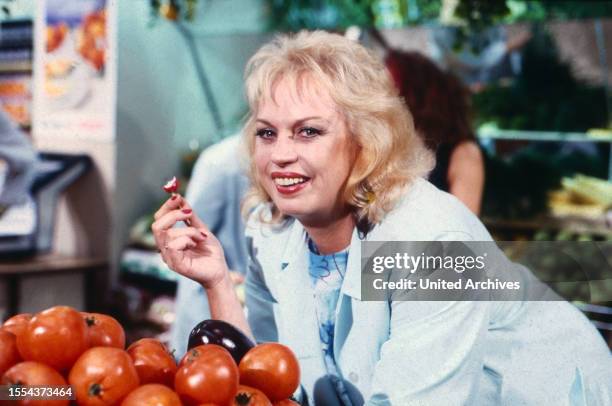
[271, 368]
[207, 374]
[247, 396]
[34, 373]
[104, 331]
[56, 337]
[17, 324]
[152, 395]
[153, 362]
[286, 402]
[103, 376]
[9, 355]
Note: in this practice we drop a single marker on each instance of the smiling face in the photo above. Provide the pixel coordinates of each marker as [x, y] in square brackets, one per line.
[303, 152]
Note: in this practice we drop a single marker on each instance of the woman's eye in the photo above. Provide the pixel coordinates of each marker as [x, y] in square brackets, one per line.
[265, 133]
[310, 132]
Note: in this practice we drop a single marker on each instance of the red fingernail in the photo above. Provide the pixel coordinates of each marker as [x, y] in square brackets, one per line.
[203, 234]
[173, 197]
[186, 211]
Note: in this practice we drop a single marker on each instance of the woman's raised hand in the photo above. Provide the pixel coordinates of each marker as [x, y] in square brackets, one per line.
[192, 251]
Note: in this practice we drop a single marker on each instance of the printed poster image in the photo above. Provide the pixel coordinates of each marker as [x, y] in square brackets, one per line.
[76, 89]
[16, 97]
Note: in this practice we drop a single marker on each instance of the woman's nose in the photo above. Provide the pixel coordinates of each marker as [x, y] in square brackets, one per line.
[284, 151]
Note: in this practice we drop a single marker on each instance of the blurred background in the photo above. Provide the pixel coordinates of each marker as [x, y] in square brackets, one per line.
[106, 100]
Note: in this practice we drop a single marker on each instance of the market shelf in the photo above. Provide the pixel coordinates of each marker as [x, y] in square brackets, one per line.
[600, 226]
[92, 269]
[494, 134]
[518, 135]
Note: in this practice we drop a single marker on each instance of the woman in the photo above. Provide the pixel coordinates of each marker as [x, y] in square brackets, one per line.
[440, 106]
[335, 161]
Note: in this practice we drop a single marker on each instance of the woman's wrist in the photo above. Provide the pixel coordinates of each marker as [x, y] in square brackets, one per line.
[224, 304]
[224, 283]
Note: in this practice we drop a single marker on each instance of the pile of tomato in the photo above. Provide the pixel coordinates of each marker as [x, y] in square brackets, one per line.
[62, 346]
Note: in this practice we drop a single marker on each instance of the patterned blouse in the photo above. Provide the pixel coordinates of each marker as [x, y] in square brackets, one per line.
[326, 274]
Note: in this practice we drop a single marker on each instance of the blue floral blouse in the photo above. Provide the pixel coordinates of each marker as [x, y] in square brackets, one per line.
[326, 274]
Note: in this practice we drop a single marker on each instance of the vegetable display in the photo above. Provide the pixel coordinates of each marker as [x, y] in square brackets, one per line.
[85, 354]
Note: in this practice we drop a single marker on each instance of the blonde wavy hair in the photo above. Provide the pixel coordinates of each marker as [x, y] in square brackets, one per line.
[391, 154]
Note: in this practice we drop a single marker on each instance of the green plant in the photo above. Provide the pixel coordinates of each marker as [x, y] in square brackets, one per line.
[545, 96]
[541, 10]
[477, 16]
[294, 15]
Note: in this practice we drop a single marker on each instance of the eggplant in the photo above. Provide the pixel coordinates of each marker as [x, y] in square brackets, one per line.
[223, 334]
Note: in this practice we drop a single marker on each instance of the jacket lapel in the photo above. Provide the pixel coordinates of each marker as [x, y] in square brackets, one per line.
[297, 322]
[352, 278]
[351, 288]
[357, 341]
[295, 295]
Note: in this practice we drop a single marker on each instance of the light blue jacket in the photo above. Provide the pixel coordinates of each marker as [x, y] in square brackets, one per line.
[425, 353]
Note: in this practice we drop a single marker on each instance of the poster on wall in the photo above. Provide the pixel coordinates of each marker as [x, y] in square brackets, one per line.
[16, 96]
[16, 43]
[75, 78]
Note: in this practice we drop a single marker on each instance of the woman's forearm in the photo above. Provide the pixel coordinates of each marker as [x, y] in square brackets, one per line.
[224, 305]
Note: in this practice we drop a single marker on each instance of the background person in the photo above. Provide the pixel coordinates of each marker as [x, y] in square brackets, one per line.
[440, 105]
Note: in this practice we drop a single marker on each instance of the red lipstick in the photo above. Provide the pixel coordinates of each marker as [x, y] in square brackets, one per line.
[290, 188]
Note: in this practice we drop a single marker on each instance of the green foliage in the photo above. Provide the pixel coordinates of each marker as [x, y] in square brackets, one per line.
[541, 10]
[545, 96]
[481, 14]
[423, 11]
[478, 15]
[294, 15]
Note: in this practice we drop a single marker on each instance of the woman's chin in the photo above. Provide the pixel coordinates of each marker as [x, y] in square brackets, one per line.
[292, 211]
[289, 206]
[293, 208]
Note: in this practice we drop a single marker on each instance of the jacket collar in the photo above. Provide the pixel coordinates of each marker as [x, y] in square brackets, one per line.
[295, 260]
[295, 292]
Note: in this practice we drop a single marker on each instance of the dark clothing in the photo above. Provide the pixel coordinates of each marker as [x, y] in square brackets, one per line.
[439, 175]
